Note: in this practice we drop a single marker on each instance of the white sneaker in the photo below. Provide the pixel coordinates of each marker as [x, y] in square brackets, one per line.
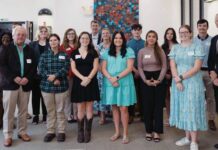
[194, 146]
[182, 142]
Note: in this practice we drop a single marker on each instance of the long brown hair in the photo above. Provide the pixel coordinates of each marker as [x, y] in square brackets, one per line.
[65, 42]
[157, 49]
[91, 47]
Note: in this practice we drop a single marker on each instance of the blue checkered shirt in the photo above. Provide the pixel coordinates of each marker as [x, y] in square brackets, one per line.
[54, 64]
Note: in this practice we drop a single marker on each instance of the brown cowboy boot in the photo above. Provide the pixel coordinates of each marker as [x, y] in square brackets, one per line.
[80, 137]
[88, 128]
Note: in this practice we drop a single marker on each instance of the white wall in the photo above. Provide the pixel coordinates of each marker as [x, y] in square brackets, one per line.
[66, 13]
[211, 9]
[156, 15]
[69, 14]
[13, 10]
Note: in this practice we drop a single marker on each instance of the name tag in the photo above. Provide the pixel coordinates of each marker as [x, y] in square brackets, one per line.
[147, 56]
[78, 56]
[61, 57]
[29, 61]
[190, 53]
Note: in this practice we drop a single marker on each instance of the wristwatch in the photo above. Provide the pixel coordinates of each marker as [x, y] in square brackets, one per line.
[181, 77]
[117, 77]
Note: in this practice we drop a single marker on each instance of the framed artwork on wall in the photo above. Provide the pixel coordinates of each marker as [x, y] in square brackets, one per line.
[117, 14]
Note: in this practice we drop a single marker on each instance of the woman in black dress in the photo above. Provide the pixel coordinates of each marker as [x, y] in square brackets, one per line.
[85, 89]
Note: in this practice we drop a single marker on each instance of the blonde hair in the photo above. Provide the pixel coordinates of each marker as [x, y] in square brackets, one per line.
[106, 29]
[38, 32]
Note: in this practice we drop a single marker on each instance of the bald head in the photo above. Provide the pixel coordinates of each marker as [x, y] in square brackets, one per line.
[19, 35]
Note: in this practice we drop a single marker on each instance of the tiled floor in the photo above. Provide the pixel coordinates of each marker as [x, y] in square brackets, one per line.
[100, 139]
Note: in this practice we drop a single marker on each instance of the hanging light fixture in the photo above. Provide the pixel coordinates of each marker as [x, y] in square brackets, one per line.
[45, 11]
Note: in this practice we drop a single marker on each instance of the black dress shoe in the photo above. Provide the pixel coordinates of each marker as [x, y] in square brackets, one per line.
[72, 121]
[216, 146]
[35, 120]
[212, 125]
[49, 137]
[61, 137]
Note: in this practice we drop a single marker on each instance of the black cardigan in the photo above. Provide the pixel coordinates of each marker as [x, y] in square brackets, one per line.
[10, 67]
[35, 46]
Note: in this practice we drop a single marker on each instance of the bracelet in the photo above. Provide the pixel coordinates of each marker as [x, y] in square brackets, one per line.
[181, 77]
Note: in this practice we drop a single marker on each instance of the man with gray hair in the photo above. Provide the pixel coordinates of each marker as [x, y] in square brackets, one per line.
[19, 66]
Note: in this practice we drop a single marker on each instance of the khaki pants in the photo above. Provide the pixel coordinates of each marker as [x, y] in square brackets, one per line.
[10, 100]
[68, 104]
[55, 103]
[210, 98]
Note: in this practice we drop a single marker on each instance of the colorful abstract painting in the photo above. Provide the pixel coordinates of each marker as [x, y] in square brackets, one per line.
[117, 14]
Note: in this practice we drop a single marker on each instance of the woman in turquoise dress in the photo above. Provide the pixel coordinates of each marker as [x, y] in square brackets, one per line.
[187, 92]
[119, 89]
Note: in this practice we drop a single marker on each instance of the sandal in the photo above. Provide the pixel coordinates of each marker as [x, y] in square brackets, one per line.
[167, 123]
[125, 140]
[101, 121]
[157, 139]
[148, 137]
[114, 137]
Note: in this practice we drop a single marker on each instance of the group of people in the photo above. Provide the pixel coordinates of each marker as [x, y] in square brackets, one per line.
[103, 72]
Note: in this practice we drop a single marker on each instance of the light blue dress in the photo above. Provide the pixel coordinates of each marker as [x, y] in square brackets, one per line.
[124, 94]
[98, 106]
[187, 108]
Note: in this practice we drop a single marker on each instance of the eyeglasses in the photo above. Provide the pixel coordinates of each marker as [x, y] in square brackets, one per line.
[70, 33]
[185, 32]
